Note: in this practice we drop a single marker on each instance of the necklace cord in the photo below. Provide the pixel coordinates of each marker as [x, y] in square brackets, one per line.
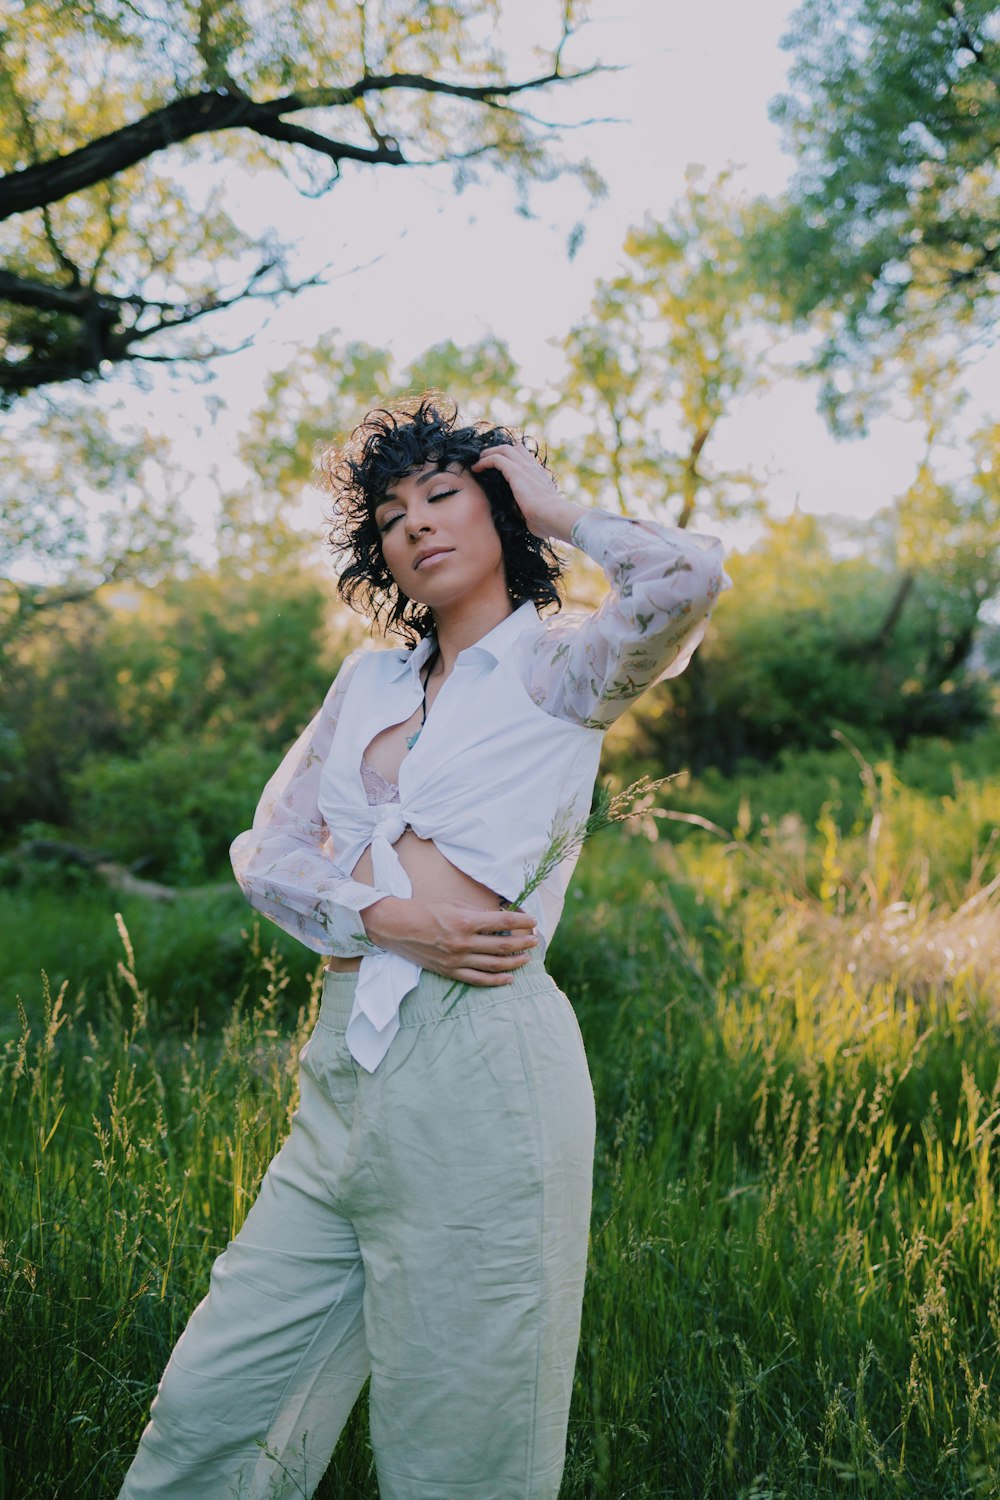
[431, 664]
[411, 739]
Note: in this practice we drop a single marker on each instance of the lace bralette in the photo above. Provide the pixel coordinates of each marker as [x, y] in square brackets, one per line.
[377, 789]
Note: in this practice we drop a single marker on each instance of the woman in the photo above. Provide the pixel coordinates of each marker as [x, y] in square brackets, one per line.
[426, 1220]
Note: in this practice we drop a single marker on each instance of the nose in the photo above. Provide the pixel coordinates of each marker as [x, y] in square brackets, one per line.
[416, 524]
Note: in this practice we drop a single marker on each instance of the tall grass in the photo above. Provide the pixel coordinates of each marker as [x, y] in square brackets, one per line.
[794, 1285]
[195, 949]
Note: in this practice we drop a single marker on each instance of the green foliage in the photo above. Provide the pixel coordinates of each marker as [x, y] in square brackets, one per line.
[83, 454]
[122, 261]
[946, 537]
[312, 401]
[792, 1194]
[157, 1175]
[173, 810]
[668, 347]
[940, 787]
[800, 648]
[794, 1245]
[184, 697]
[212, 654]
[194, 953]
[892, 217]
[233, 666]
[481, 377]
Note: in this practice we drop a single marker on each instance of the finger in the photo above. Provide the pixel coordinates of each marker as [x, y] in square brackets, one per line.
[466, 910]
[497, 921]
[497, 945]
[483, 981]
[517, 913]
[499, 455]
[496, 963]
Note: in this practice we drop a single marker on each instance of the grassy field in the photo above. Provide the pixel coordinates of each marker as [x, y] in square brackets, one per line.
[794, 1284]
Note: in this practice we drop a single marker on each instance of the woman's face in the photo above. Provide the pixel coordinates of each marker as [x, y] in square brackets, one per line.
[438, 537]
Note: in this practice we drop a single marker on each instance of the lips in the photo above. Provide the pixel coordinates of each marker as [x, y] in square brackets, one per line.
[426, 556]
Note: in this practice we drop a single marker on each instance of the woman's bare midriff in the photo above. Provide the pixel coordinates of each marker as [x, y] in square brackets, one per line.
[432, 877]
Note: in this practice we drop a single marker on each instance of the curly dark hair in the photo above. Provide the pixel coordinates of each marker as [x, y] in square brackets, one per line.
[389, 443]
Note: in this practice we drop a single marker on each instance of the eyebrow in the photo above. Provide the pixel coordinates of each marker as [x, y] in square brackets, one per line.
[390, 496]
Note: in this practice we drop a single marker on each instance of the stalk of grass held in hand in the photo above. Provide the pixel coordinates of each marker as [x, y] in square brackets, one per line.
[566, 839]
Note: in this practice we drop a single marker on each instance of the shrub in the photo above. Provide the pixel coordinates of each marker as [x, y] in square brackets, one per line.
[174, 809]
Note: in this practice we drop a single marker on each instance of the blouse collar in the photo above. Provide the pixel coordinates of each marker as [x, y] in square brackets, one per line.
[492, 647]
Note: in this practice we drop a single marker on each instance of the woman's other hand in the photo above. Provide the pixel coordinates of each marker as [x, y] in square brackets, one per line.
[546, 512]
[462, 942]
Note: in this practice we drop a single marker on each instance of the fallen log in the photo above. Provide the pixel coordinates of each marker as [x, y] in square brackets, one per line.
[116, 876]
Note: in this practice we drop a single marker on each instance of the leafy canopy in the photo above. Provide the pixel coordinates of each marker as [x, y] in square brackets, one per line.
[893, 217]
[130, 131]
[667, 349]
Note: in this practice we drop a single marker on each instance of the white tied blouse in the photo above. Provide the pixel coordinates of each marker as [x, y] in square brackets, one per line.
[507, 757]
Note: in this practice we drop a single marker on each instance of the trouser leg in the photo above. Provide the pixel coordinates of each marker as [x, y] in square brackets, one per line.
[264, 1377]
[473, 1216]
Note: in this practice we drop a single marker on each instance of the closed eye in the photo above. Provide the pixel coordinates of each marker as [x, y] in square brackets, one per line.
[387, 521]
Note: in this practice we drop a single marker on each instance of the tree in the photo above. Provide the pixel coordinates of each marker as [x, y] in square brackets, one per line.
[319, 397]
[305, 404]
[798, 650]
[481, 377]
[124, 124]
[50, 555]
[136, 681]
[887, 246]
[667, 348]
[942, 540]
[892, 222]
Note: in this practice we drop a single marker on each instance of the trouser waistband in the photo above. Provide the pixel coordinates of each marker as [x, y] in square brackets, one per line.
[433, 997]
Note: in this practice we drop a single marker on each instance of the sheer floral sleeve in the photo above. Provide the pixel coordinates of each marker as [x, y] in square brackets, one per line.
[285, 864]
[664, 583]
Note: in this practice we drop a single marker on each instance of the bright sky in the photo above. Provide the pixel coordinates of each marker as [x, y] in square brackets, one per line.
[434, 265]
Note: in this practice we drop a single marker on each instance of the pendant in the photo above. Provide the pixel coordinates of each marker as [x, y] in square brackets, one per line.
[411, 739]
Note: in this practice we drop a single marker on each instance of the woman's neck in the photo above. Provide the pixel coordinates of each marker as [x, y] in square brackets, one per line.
[464, 624]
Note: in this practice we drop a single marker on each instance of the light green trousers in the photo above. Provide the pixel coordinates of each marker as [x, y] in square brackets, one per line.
[425, 1223]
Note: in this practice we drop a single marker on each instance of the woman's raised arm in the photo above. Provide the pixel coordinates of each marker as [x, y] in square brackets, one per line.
[663, 585]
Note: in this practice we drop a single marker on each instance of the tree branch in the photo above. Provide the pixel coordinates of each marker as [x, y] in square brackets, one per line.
[192, 115]
[987, 257]
[964, 35]
[42, 295]
[297, 135]
[883, 634]
[103, 335]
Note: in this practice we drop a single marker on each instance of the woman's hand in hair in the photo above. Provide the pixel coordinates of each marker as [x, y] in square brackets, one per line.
[546, 512]
[462, 942]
